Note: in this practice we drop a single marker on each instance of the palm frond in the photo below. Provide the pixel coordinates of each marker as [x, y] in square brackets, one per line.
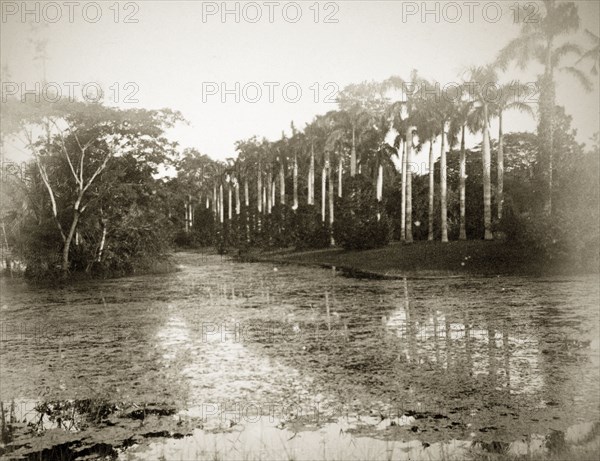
[519, 49]
[585, 82]
[564, 50]
[521, 107]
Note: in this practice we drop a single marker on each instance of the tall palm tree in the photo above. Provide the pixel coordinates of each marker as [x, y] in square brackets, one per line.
[479, 79]
[381, 139]
[396, 111]
[295, 180]
[281, 162]
[409, 104]
[444, 110]
[358, 103]
[408, 168]
[539, 41]
[337, 142]
[428, 127]
[508, 97]
[458, 126]
[330, 193]
[295, 145]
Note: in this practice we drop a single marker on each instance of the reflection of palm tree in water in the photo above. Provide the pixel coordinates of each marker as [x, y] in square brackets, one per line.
[506, 351]
[492, 367]
[410, 327]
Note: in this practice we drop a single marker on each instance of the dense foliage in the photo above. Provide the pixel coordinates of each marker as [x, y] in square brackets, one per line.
[89, 202]
[361, 220]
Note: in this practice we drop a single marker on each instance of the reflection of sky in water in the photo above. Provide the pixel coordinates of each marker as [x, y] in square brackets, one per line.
[512, 358]
[218, 367]
[264, 440]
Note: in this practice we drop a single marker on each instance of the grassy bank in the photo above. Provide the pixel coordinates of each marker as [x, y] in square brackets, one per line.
[475, 257]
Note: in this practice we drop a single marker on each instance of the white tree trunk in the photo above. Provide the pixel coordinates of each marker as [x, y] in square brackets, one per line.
[229, 202]
[295, 179]
[487, 184]
[409, 147]
[323, 193]
[462, 187]
[403, 196]
[431, 191]
[444, 188]
[340, 175]
[380, 183]
[500, 193]
[259, 191]
[311, 177]
[221, 215]
[282, 185]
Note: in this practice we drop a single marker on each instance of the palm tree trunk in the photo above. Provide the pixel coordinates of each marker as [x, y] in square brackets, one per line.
[330, 182]
[295, 179]
[259, 191]
[500, 193]
[403, 198]
[353, 153]
[408, 230]
[269, 192]
[323, 192]
[214, 203]
[311, 177]
[340, 175]
[444, 187]
[229, 201]
[462, 188]
[379, 182]
[282, 184]
[273, 192]
[238, 205]
[221, 215]
[185, 219]
[487, 183]
[431, 191]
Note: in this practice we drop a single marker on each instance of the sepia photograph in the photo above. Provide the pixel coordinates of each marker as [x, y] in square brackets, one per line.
[312, 230]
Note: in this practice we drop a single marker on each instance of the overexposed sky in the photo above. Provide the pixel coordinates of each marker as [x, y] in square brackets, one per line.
[175, 57]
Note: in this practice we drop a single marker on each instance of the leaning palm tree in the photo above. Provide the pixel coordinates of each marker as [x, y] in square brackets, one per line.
[539, 41]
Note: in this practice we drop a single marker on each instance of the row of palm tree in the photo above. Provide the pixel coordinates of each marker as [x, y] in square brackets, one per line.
[379, 122]
[367, 133]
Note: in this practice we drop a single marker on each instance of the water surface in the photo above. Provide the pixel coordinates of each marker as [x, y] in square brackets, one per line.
[259, 361]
